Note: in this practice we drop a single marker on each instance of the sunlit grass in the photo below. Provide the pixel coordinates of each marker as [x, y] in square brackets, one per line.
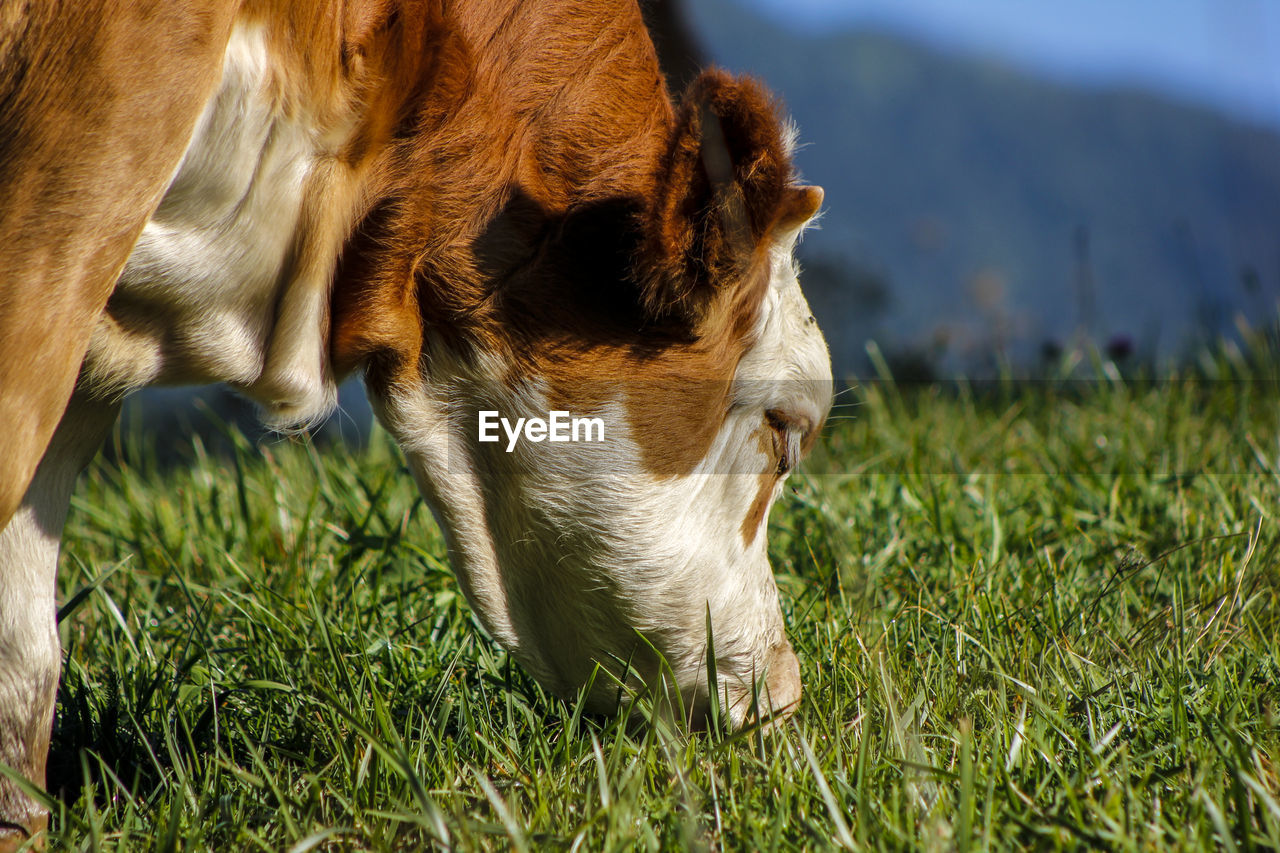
[1034, 616]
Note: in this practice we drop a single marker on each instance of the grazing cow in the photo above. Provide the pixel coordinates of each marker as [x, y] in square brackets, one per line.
[489, 208]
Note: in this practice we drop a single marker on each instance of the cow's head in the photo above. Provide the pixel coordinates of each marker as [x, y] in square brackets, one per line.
[673, 316]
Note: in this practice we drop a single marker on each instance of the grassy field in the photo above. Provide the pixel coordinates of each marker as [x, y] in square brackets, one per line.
[1044, 615]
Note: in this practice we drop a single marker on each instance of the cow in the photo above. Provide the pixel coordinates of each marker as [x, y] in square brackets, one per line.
[479, 206]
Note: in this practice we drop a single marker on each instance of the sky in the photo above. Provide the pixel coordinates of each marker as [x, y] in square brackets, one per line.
[1225, 53]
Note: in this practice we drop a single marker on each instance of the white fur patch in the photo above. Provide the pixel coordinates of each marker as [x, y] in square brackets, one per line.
[212, 287]
[572, 553]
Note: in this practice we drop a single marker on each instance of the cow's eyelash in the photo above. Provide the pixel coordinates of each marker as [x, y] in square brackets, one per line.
[786, 443]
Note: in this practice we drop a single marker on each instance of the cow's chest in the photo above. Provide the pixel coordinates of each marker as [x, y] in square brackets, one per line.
[197, 299]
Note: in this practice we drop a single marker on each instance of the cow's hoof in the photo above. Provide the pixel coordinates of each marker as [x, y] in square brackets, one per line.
[23, 836]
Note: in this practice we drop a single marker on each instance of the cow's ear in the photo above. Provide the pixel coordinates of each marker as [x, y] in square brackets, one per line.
[724, 192]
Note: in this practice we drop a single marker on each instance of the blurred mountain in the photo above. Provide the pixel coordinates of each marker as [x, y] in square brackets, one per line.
[971, 205]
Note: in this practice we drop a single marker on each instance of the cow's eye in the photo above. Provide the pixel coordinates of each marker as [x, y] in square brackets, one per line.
[789, 433]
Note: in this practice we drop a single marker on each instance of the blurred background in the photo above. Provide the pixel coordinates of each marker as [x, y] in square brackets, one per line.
[1008, 182]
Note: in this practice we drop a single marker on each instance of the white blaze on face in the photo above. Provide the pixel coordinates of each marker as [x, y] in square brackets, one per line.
[576, 555]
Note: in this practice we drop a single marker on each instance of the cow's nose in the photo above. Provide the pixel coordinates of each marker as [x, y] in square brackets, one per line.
[782, 681]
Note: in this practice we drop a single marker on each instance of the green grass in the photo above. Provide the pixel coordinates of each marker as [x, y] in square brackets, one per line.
[1044, 616]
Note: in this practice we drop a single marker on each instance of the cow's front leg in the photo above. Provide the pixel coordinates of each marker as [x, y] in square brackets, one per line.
[29, 654]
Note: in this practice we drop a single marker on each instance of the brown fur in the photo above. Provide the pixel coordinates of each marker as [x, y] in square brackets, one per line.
[720, 190]
[786, 439]
[87, 144]
[571, 223]
[512, 179]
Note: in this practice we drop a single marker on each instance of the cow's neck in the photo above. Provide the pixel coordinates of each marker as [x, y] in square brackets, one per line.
[532, 137]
